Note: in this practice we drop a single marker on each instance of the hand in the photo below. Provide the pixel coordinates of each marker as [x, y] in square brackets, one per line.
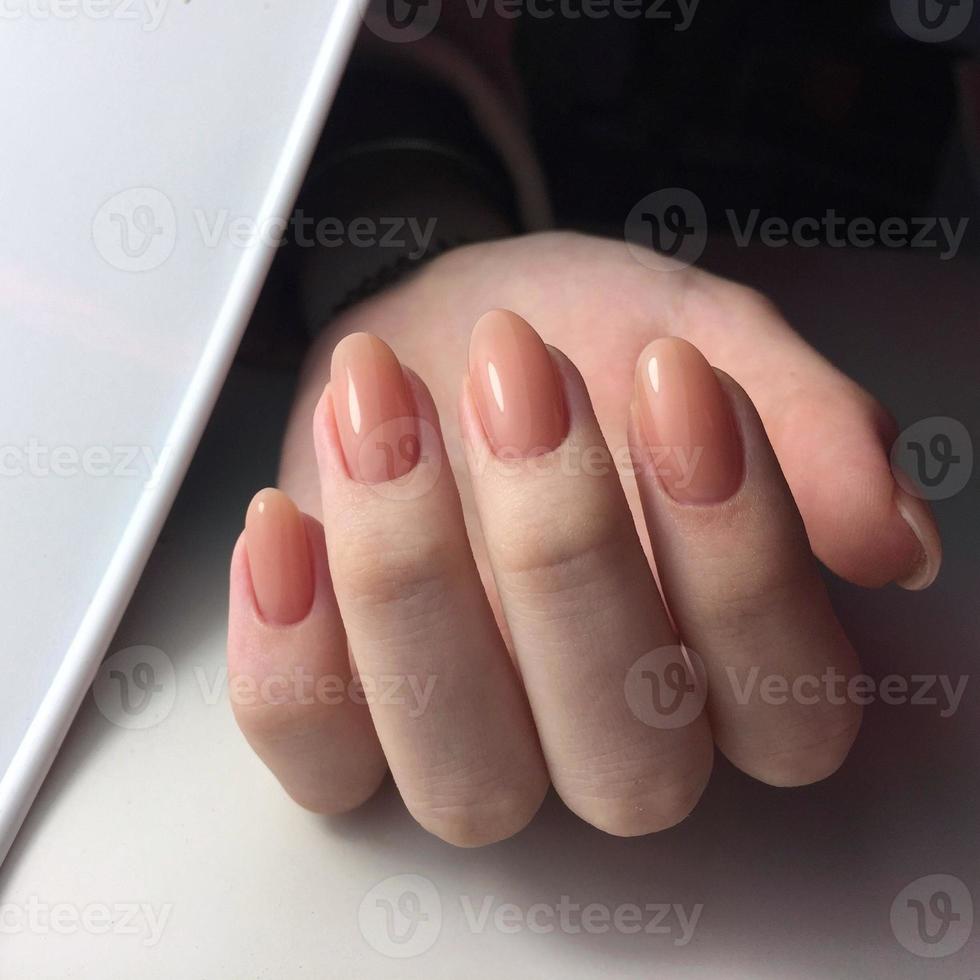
[549, 564]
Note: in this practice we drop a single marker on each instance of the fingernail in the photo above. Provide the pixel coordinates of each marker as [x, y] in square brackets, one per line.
[374, 409]
[925, 568]
[516, 386]
[278, 557]
[688, 423]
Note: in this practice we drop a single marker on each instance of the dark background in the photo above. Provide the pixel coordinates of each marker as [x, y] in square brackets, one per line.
[793, 108]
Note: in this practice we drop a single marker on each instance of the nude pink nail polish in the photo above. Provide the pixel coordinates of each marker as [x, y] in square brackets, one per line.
[278, 557]
[374, 409]
[688, 423]
[516, 387]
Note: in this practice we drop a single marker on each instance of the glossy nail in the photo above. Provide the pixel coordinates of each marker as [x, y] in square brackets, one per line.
[516, 386]
[915, 512]
[278, 557]
[374, 409]
[687, 421]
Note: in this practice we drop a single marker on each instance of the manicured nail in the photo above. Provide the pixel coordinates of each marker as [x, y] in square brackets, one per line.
[516, 387]
[688, 423]
[925, 568]
[374, 408]
[278, 557]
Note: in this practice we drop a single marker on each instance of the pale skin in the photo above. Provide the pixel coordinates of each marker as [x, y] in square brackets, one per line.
[497, 532]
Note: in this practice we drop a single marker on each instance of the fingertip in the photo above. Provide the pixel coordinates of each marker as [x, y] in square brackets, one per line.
[880, 534]
[862, 525]
[927, 560]
[808, 763]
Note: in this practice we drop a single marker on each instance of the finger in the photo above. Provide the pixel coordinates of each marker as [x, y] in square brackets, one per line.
[289, 676]
[831, 437]
[459, 736]
[737, 572]
[577, 592]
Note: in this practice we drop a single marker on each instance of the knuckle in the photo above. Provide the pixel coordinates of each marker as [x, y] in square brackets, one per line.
[562, 545]
[709, 300]
[307, 748]
[812, 752]
[477, 816]
[478, 824]
[333, 798]
[733, 605]
[272, 723]
[392, 568]
[634, 812]
[749, 304]
[631, 798]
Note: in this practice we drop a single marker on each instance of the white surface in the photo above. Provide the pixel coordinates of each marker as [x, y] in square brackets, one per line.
[111, 353]
[181, 817]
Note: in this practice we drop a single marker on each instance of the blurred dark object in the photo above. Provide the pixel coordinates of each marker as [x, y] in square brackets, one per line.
[791, 108]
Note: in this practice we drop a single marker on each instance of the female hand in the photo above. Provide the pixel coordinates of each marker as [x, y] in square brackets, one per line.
[521, 637]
